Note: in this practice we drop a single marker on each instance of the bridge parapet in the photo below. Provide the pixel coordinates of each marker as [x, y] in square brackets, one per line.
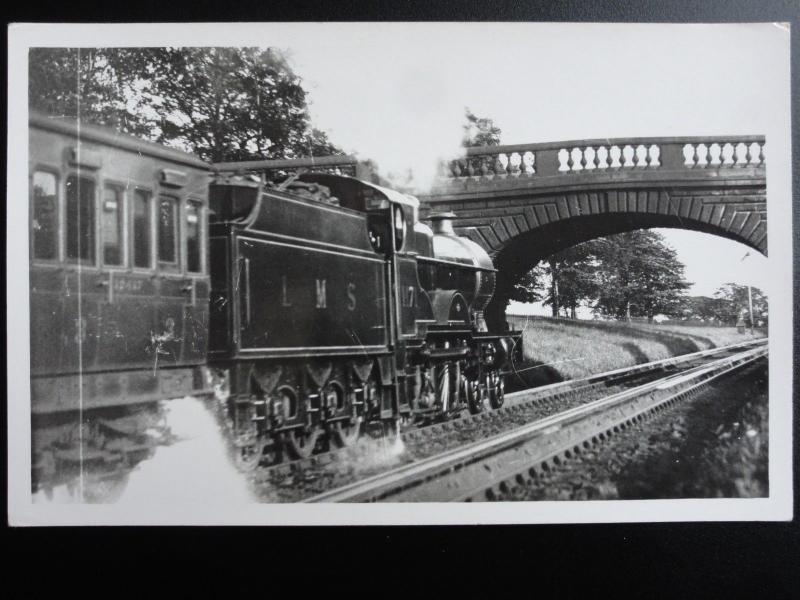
[527, 160]
[633, 160]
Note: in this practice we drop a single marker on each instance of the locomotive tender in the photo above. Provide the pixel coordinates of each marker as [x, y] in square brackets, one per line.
[323, 300]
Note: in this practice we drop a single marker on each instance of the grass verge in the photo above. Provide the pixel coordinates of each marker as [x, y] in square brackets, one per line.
[557, 350]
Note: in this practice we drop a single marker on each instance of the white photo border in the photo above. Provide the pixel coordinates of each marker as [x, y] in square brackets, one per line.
[22, 512]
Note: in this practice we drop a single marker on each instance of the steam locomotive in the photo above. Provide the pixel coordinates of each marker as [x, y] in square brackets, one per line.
[322, 300]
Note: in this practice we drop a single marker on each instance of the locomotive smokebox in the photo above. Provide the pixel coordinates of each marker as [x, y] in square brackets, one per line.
[476, 279]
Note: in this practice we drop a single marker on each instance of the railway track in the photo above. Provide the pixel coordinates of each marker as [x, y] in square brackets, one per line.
[564, 389]
[480, 470]
[627, 373]
[296, 480]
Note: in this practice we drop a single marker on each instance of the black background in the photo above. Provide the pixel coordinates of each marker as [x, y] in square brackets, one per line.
[680, 560]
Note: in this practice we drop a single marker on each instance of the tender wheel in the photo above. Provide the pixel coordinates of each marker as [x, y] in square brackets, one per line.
[497, 389]
[346, 433]
[248, 455]
[300, 443]
[272, 451]
[475, 395]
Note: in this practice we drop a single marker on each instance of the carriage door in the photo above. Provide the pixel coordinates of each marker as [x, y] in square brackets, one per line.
[135, 288]
[196, 288]
[168, 332]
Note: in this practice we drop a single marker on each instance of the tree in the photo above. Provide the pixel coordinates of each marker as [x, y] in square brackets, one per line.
[625, 275]
[703, 308]
[734, 300]
[234, 104]
[480, 131]
[528, 288]
[640, 275]
[572, 276]
[87, 83]
[564, 280]
[220, 103]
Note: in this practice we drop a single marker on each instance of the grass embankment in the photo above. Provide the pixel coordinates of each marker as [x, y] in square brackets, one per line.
[560, 350]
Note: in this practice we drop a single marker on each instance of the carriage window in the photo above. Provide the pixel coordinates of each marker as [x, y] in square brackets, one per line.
[112, 225]
[80, 218]
[167, 230]
[45, 215]
[141, 229]
[193, 237]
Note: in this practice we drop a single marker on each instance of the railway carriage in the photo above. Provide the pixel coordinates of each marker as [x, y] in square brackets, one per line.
[118, 268]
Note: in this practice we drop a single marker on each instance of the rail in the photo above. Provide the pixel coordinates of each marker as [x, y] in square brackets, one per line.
[565, 387]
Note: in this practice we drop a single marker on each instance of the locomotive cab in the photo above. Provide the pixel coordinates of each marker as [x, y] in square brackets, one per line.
[390, 213]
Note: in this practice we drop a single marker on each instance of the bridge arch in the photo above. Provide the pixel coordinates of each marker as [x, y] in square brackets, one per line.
[517, 255]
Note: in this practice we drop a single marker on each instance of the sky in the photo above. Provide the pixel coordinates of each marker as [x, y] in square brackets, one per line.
[396, 93]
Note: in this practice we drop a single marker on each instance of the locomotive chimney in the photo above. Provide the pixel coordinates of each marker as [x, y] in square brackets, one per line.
[442, 223]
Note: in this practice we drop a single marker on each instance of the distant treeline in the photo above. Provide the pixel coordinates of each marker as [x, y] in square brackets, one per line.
[628, 276]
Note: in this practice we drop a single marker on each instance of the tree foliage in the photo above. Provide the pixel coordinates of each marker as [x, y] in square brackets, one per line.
[87, 83]
[640, 275]
[632, 274]
[703, 308]
[730, 302]
[528, 288]
[572, 277]
[734, 301]
[220, 103]
[480, 131]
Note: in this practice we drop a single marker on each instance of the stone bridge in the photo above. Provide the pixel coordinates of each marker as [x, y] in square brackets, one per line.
[525, 202]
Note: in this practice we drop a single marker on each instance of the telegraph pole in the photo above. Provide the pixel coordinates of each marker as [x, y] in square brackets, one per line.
[750, 301]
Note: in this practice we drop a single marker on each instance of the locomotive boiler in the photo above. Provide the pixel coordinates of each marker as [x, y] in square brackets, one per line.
[334, 309]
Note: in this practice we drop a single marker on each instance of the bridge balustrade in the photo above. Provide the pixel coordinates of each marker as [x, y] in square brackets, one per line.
[598, 156]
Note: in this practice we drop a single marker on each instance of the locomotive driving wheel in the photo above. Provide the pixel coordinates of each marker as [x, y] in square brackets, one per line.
[346, 432]
[301, 443]
[497, 389]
